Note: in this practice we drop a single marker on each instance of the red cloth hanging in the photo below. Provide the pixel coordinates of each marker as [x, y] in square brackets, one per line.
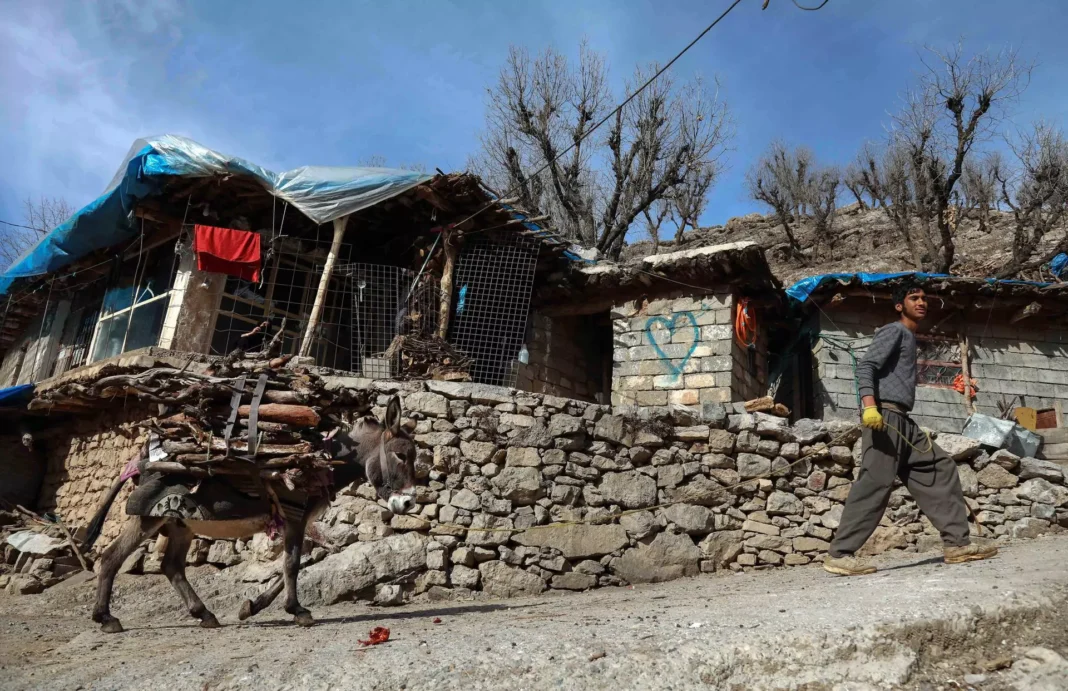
[228, 251]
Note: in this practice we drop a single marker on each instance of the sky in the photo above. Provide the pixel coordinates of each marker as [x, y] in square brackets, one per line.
[288, 84]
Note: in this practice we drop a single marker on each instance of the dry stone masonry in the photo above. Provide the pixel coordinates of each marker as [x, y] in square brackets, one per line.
[674, 351]
[530, 492]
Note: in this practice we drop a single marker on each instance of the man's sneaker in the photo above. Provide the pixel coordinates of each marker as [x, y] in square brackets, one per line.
[848, 566]
[972, 552]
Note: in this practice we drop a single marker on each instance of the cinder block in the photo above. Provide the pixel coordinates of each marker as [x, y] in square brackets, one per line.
[684, 397]
[651, 398]
[719, 332]
[635, 383]
[715, 395]
[701, 381]
[668, 381]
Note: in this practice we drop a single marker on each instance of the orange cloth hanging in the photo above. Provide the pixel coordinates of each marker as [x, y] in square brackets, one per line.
[958, 384]
[745, 324]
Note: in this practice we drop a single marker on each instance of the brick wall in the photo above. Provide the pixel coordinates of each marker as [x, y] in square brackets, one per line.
[83, 460]
[674, 350]
[1005, 361]
[566, 357]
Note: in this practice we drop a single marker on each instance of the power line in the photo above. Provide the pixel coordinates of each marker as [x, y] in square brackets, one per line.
[612, 114]
[17, 225]
[810, 9]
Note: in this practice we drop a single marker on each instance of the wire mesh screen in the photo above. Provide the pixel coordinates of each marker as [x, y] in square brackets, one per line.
[385, 305]
[286, 294]
[492, 286]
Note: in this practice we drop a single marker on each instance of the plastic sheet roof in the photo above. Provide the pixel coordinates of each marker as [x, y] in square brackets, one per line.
[803, 289]
[320, 193]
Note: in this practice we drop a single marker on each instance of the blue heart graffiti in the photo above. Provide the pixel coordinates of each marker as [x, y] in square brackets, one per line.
[672, 325]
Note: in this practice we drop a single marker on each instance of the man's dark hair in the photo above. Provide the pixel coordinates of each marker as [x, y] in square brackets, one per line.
[905, 288]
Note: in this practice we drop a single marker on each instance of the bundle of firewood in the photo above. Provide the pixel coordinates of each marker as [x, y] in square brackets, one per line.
[239, 418]
[429, 357]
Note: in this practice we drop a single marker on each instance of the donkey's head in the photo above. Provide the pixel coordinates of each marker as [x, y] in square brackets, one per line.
[386, 452]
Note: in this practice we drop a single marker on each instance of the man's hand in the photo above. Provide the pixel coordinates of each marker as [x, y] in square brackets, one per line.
[873, 419]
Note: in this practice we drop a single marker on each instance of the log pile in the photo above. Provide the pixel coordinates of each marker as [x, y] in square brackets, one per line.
[429, 357]
[208, 424]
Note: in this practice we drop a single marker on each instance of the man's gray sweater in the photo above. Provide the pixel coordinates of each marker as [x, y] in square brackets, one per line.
[888, 369]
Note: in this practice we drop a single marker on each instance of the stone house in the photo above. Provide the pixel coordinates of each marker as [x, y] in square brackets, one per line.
[1008, 340]
[542, 385]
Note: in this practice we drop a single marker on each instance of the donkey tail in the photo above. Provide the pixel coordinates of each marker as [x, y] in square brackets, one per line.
[97, 524]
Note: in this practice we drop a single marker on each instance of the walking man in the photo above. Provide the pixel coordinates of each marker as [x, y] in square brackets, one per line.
[895, 446]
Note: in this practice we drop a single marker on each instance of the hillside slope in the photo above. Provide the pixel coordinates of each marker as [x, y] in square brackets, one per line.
[866, 241]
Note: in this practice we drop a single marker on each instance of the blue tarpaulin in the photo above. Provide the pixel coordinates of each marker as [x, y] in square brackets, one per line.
[320, 193]
[804, 288]
[16, 396]
[1059, 265]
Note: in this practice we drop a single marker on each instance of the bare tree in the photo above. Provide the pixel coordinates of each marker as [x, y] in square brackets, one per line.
[956, 105]
[541, 114]
[39, 218]
[655, 216]
[821, 194]
[867, 173]
[853, 180]
[1037, 193]
[979, 190]
[779, 179]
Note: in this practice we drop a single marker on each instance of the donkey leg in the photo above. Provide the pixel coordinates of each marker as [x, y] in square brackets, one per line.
[179, 537]
[294, 543]
[137, 530]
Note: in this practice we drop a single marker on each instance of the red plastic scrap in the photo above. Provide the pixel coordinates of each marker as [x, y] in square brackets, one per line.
[437, 620]
[379, 634]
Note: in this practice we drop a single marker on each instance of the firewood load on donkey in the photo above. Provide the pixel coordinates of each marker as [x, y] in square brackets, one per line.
[238, 506]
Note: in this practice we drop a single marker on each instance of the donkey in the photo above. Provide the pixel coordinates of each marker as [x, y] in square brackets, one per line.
[381, 452]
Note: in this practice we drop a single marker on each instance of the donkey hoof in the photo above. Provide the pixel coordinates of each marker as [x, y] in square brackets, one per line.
[111, 626]
[304, 619]
[246, 610]
[209, 622]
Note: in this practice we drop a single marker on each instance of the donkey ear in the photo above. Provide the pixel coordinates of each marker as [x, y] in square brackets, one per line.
[393, 416]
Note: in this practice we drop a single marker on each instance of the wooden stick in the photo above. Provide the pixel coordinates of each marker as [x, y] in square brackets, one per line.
[298, 415]
[73, 546]
[446, 287]
[969, 405]
[324, 284]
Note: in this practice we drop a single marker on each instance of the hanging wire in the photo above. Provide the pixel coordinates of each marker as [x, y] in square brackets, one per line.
[810, 9]
[612, 114]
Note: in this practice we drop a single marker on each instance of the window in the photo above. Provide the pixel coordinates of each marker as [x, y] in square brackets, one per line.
[938, 360]
[135, 304]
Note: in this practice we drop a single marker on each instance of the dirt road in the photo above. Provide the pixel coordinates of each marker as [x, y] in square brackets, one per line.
[915, 624]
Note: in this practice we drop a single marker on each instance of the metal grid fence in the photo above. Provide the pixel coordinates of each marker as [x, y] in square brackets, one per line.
[493, 282]
[387, 302]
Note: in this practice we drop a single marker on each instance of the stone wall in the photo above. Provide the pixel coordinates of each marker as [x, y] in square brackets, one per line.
[529, 492]
[674, 351]
[1005, 361]
[84, 456]
[566, 358]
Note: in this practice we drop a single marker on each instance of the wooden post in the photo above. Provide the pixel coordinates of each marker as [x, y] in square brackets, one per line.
[966, 371]
[324, 285]
[446, 287]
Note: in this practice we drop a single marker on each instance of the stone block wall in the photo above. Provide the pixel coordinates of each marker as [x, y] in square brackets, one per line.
[565, 358]
[529, 492]
[1005, 361]
[83, 457]
[676, 350]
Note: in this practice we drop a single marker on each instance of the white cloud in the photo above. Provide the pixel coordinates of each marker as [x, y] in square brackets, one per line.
[79, 83]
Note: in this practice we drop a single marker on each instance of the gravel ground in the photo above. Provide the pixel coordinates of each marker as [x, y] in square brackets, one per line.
[916, 624]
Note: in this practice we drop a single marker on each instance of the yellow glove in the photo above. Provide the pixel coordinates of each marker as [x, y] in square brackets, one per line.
[873, 419]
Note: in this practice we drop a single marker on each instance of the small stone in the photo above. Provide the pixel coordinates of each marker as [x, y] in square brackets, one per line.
[747, 559]
[630, 489]
[1005, 459]
[1030, 528]
[762, 528]
[573, 581]
[751, 466]
[1042, 492]
[796, 560]
[957, 447]
[693, 520]
[639, 524]
[995, 476]
[466, 499]
[504, 581]
[833, 517]
[969, 480]
[1046, 470]
[784, 504]
[810, 544]
[667, 557]
[464, 577]
[721, 441]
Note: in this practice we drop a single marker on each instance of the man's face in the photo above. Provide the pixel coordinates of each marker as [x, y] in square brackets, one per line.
[915, 305]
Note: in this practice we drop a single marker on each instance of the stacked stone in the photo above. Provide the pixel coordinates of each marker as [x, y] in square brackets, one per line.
[673, 351]
[529, 492]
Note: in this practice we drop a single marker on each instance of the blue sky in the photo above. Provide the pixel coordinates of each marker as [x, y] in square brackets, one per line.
[330, 83]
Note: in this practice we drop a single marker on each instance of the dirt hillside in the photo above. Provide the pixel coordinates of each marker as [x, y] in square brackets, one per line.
[866, 241]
